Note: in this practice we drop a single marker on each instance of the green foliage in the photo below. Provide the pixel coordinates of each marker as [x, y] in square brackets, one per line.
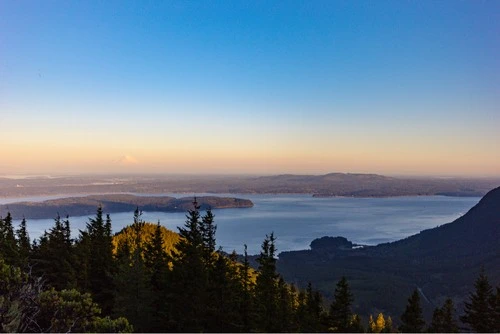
[412, 319]
[17, 299]
[266, 287]
[443, 319]
[481, 311]
[71, 311]
[54, 256]
[340, 315]
[8, 243]
[96, 249]
[23, 244]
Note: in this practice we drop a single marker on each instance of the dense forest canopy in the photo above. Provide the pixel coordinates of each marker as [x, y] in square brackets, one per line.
[148, 279]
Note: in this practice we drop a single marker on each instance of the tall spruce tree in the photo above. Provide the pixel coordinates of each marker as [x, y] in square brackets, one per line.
[412, 320]
[8, 243]
[340, 310]
[54, 257]
[156, 260]
[23, 243]
[208, 229]
[266, 288]
[479, 312]
[246, 294]
[189, 276]
[443, 319]
[100, 260]
[131, 287]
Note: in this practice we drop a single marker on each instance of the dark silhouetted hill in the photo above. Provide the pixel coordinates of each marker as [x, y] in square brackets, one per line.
[442, 262]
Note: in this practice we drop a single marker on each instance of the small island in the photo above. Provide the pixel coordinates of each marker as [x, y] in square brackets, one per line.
[113, 203]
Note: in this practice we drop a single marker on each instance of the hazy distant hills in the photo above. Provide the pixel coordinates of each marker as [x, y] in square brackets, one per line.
[333, 184]
[82, 206]
[442, 262]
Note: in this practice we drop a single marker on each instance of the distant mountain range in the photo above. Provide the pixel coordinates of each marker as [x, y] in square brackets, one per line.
[441, 262]
[83, 206]
[333, 184]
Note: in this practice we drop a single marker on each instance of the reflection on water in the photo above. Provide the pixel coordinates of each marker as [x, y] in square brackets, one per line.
[298, 219]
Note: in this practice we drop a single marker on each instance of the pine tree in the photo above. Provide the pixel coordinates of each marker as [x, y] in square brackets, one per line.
[23, 243]
[246, 300]
[479, 313]
[100, 260]
[156, 260]
[189, 277]
[54, 256]
[443, 319]
[208, 229]
[131, 287]
[285, 308]
[8, 243]
[266, 288]
[340, 310]
[412, 319]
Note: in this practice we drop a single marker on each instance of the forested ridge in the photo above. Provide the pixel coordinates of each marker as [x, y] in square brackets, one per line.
[148, 279]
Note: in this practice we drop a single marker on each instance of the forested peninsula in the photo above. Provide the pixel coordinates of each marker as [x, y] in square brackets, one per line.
[113, 203]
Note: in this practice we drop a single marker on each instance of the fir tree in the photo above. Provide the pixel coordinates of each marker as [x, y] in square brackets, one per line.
[156, 260]
[189, 277]
[132, 289]
[479, 313]
[100, 260]
[246, 300]
[340, 310]
[412, 319]
[443, 319]
[208, 229]
[53, 256]
[266, 289]
[285, 308]
[23, 243]
[8, 243]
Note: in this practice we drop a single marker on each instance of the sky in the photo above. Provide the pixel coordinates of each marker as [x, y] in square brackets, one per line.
[264, 87]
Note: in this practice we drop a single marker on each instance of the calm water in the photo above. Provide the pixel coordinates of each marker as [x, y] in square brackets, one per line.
[298, 219]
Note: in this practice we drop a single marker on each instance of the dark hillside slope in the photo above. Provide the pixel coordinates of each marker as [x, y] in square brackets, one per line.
[442, 262]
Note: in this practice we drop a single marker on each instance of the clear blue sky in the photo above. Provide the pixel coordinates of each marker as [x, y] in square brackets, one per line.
[410, 87]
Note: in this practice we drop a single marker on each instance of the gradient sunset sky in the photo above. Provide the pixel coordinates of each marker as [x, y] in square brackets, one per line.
[389, 87]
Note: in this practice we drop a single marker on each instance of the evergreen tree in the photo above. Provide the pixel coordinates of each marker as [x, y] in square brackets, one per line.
[208, 229]
[356, 324]
[340, 309]
[285, 308]
[23, 243]
[8, 242]
[53, 256]
[223, 292]
[412, 319]
[132, 289]
[266, 288]
[479, 313]
[189, 277]
[156, 260]
[246, 300]
[100, 260]
[443, 319]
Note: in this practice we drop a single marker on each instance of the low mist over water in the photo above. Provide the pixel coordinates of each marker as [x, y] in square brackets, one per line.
[298, 219]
